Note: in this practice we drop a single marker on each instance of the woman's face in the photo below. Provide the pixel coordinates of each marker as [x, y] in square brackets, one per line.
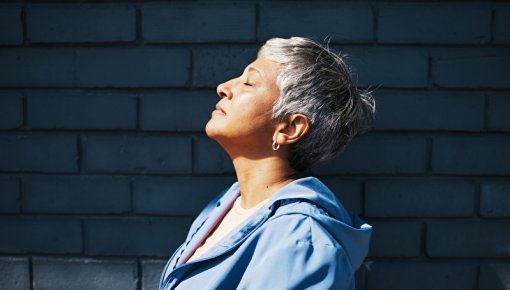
[243, 115]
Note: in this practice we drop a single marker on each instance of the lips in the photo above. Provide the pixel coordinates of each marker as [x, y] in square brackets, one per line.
[219, 108]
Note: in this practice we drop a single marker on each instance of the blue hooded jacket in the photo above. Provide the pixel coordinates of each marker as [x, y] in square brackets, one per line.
[303, 239]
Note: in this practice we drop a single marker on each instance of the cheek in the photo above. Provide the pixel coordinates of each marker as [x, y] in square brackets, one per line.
[254, 112]
[251, 119]
[254, 105]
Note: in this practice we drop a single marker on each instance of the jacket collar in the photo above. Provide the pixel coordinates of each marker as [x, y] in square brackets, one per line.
[306, 188]
[309, 188]
[208, 224]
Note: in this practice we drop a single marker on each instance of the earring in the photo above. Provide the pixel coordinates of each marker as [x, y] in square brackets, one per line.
[275, 145]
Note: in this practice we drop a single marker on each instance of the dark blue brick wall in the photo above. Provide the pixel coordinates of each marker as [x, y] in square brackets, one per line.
[389, 67]
[223, 22]
[131, 67]
[10, 197]
[494, 200]
[498, 118]
[76, 194]
[80, 110]
[216, 64]
[494, 276]
[83, 23]
[501, 22]
[41, 234]
[152, 270]
[36, 67]
[15, 273]
[132, 154]
[349, 191]
[424, 197]
[11, 110]
[38, 152]
[406, 234]
[59, 273]
[453, 238]
[171, 196]
[104, 162]
[317, 21]
[380, 154]
[471, 68]
[176, 110]
[135, 236]
[454, 111]
[434, 24]
[471, 155]
[423, 275]
[11, 26]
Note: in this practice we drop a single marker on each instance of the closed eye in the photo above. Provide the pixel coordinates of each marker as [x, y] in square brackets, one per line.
[248, 84]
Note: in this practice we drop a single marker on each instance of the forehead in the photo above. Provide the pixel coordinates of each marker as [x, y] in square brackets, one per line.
[265, 67]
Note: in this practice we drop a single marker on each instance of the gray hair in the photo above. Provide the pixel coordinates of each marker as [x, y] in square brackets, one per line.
[316, 82]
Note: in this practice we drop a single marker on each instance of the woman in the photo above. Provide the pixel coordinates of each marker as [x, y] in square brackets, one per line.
[276, 228]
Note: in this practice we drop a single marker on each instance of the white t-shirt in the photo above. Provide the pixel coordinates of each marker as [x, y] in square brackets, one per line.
[235, 216]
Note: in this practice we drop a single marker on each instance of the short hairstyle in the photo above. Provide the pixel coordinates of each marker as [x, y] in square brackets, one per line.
[316, 81]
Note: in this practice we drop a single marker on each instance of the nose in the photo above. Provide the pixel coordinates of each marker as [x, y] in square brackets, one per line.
[223, 90]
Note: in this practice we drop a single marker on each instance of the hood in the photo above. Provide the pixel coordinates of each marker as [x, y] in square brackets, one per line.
[347, 229]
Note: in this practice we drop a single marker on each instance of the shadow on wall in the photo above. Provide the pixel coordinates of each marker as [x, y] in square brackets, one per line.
[494, 277]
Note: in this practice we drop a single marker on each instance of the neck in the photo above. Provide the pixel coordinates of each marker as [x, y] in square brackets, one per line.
[259, 179]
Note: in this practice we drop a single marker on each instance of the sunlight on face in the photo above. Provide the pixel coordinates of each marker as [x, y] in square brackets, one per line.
[243, 115]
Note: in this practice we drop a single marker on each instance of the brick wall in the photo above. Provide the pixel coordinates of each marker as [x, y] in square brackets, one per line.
[104, 162]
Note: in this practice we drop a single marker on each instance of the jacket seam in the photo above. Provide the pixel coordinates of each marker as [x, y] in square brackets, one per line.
[309, 218]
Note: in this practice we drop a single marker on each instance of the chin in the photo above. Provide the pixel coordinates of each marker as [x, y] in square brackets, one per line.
[216, 132]
[210, 130]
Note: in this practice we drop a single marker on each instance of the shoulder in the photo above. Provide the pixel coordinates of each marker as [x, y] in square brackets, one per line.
[296, 247]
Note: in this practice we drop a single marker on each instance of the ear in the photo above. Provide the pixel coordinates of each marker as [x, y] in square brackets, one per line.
[291, 130]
